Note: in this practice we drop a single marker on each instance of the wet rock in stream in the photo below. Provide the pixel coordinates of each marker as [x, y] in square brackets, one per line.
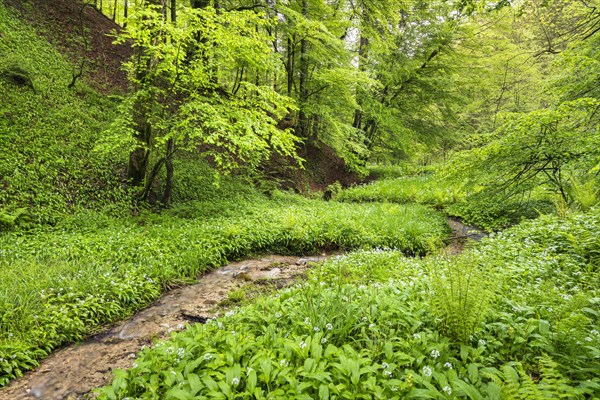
[461, 235]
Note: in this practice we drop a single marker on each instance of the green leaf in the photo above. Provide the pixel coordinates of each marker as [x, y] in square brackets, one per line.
[210, 383]
[544, 327]
[473, 371]
[324, 392]
[178, 394]
[251, 381]
[466, 389]
[422, 394]
[195, 383]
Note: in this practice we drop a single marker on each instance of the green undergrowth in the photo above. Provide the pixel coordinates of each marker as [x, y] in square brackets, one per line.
[495, 212]
[423, 189]
[58, 284]
[515, 317]
[400, 170]
[477, 206]
[48, 132]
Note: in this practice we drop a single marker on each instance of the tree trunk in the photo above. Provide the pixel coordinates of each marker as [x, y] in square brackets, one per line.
[357, 123]
[125, 12]
[138, 165]
[138, 158]
[302, 130]
[290, 67]
[168, 193]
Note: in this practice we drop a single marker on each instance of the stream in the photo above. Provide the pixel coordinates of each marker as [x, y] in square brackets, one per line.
[74, 371]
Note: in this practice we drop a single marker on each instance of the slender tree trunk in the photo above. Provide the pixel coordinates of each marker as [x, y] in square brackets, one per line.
[125, 12]
[114, 14]
[290, 67]
[303, 122]
[168, 193]
[357, 124]
[174, 11]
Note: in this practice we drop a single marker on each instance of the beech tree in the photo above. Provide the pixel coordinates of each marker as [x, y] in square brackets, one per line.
[182, 99]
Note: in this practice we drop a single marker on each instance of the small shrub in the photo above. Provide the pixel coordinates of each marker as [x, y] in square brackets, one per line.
[462, 291]
[584, 194]
[17, 71]
[494, 213]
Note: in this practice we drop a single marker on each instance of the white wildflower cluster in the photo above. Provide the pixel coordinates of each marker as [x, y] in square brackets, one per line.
[427, 371]
[435, 353]
[180, 354]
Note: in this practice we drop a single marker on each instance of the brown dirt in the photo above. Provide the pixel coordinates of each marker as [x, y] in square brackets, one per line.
[74, 371]
[62, 22]
[325, 167]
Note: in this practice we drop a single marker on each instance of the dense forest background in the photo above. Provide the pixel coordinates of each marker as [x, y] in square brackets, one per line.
[302, 94]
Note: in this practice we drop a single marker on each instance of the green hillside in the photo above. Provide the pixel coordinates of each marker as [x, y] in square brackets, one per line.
[48, 133]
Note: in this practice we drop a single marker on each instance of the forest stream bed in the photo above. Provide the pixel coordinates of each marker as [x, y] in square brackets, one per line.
[74, 371]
